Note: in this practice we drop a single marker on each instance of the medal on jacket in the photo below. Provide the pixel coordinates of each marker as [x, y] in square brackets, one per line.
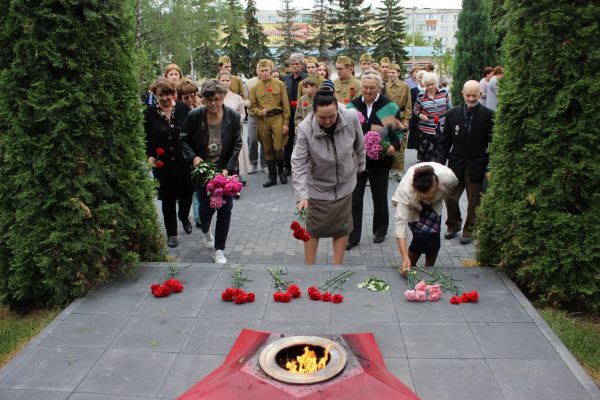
[456, 128]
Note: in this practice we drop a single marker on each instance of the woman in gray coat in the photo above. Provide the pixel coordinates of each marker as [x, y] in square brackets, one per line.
[328, 155]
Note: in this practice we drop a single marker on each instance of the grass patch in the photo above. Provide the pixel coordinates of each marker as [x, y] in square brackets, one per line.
[581, 335]
[17, 329]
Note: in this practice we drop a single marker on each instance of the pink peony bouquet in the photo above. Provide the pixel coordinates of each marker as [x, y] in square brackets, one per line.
[375, 145]
[220, 186]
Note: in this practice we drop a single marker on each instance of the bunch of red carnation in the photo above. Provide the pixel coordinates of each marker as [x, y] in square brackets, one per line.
[299, 231]
[237, 296]
[169, 286]
[467, 297]
[293, 292]
[316, 295]
[293, 103]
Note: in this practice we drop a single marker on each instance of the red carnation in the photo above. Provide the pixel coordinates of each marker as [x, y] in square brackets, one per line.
[237, 291]
[174, 285]
[314, 293]
[293, 103]
[269, 89]
[160, 291]
[250, 297]
[337, 298]
[277, 296]
[154, 286]
[455, 300]
[240, 299]
[294, 291]
[299, 233]
[295, 226]
[306, 237]
[286, 297]
[464, 298]
[231, 291]
[226, 296]
[473, 296]
[159, 164]
[305, 104]
[326, 297]
[160, 151]
[346, 100]
[436, 120]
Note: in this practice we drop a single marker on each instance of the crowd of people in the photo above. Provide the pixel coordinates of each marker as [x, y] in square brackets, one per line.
[302, 124]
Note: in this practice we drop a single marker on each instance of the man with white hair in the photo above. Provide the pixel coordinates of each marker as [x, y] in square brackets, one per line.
[464, 143]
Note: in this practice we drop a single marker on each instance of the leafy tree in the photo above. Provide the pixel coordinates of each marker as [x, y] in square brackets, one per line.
[257, 47]
[234, 42]
[321, 35]
[349, 28]
[442, 58]
[540, 218]
[499, 23]
[419, 39]
[475, 45]
[75, 198]
[288, 26]
[390, 32]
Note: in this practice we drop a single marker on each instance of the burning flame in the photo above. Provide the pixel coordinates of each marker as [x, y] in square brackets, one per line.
[307, 363]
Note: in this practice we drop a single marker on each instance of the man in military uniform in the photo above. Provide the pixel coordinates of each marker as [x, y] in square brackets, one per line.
[384, 66]
[399, 92]
[347, 87]
[269, 103]
[237, 86]
[311, 69]
[366, 62]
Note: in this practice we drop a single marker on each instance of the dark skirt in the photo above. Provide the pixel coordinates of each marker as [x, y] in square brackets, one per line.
[425, 243]
[413, 137]
[426, 231]
[329, 218]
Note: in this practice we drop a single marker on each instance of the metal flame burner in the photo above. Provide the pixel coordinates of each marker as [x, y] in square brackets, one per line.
[335, 365]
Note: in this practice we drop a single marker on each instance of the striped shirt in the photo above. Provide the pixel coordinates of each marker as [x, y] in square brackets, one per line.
[438, 105]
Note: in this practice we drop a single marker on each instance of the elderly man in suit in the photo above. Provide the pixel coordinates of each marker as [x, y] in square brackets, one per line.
[464, 143]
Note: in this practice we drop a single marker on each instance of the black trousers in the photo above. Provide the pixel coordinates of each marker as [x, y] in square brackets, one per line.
[223, 217]
[378, 180]
[170, 213]
[289, 147]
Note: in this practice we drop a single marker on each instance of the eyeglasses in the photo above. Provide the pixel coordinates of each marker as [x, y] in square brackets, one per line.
[215, 100]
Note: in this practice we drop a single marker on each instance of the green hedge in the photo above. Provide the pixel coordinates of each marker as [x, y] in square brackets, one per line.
[76, 204]
[540, 219]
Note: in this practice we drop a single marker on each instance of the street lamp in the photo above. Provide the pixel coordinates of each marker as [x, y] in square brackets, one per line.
[414, 35]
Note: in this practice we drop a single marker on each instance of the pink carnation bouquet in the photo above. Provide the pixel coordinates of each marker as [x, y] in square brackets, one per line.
[220, 186]
[375, 145]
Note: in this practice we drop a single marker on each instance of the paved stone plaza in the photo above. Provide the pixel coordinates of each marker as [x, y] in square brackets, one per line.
[119, 342]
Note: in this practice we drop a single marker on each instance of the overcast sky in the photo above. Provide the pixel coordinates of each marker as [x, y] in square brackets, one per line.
[301, 4]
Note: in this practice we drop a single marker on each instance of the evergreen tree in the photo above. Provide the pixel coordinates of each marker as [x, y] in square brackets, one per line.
[234, 42]
[390, 32]
[498, 22]
[257, 40]
[475, 45]
[321, 36]
[287, 25]
[76, 204]
[349, 30]
[540, 218]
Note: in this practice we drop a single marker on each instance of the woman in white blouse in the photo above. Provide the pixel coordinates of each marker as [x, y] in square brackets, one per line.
[419, 202]
[235, 101]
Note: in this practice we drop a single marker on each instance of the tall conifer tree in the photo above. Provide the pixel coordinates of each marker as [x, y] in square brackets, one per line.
[257, 40]
[540, 218]
[76, 204]
[349, 30]
[287, 25]
[234, 42]
[321, 35]
[390, 32]
[475, 45]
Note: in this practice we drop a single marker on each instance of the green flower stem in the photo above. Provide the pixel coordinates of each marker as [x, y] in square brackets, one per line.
[280, 284]
[239, 280]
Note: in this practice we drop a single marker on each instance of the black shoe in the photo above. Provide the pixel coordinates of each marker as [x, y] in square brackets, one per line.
[281, 172]
[466, 239]
[450, 234]
[272, 174]
[287, 171]
[187, 226]
[172, 241]
[378, 239]
[350, 245]
[198, 225]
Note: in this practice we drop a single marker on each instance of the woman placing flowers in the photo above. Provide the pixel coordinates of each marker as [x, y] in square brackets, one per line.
[162, 125]
[419, 202]
[213, 133]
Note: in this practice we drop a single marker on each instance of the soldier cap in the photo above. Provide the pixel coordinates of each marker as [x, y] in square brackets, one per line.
[366, 57]
[224, 60]
[396, 67]
[311, 80]
[310, 60]
[262, 63]
[344, 60]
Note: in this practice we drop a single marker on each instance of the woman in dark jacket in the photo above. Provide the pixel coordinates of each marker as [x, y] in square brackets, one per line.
[213, 133]
[162, 125]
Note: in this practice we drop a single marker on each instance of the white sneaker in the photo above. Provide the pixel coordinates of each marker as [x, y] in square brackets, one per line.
[219, 257]
[208, 238]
